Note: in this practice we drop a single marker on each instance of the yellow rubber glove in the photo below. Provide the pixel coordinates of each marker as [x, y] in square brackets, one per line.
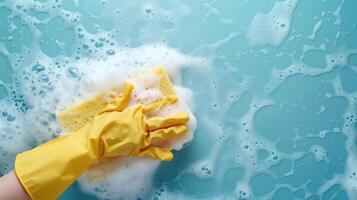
[79, 115]
[47, 170]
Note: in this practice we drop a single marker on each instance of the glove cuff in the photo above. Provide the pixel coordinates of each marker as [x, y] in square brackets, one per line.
[49, 169]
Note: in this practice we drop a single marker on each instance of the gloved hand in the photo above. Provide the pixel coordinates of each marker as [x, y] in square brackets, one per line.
[47, 170]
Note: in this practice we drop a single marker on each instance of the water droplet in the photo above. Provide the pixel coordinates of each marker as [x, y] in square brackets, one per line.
[148, 10]
[110, 52]
[72, 72]
[38, 68]
[98, 44]
[44, 78]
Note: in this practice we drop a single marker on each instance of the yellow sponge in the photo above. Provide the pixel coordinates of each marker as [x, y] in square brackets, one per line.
[79, 115]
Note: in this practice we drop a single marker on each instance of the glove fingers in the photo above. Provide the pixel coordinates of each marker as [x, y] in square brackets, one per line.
[166, 100]
[164, 122]
[121, 101]
[156, 153]
[167, 133]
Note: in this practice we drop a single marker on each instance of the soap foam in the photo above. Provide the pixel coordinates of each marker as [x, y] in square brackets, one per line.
[130, 178]
[228, 136]
[273, 27]
[51, 86]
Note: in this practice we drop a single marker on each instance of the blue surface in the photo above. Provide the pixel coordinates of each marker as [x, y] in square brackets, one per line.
[307, 110]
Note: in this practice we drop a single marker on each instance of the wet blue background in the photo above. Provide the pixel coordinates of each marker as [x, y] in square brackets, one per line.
[292, 124]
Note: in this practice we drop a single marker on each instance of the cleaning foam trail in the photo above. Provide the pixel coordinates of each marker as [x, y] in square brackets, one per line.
[275, 106]
[273, 27]
[48, 89]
